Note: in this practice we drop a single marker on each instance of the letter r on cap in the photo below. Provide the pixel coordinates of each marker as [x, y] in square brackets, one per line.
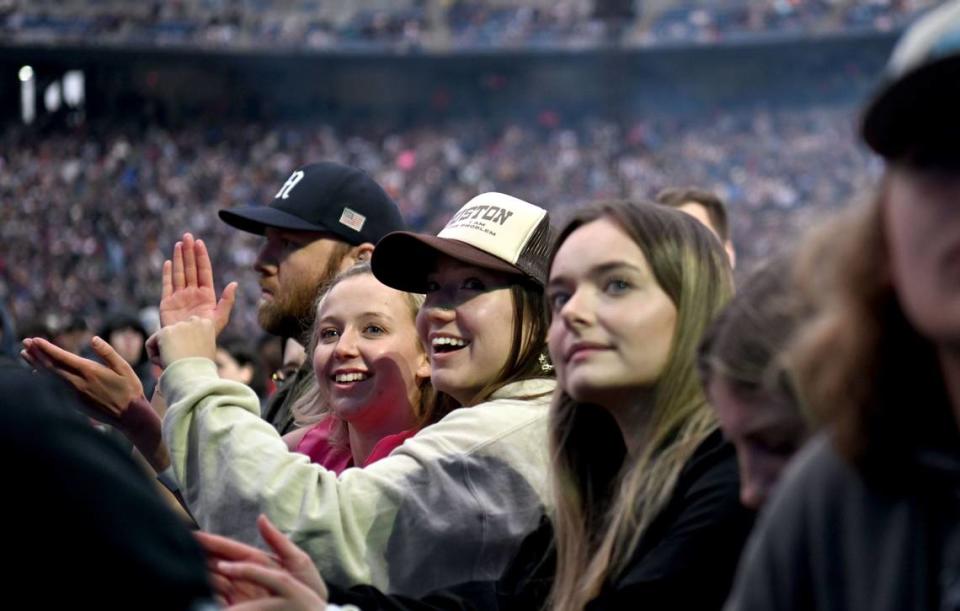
[288, 186]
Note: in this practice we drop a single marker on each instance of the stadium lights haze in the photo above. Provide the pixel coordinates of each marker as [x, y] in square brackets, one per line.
[26, 74]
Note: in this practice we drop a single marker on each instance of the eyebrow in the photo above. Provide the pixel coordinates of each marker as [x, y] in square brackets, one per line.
[369, 314]
[602, 268]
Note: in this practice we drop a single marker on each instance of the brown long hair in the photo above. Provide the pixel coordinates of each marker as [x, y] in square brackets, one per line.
[528, 352]
[859, 362]
[748, 341]
[605, 500]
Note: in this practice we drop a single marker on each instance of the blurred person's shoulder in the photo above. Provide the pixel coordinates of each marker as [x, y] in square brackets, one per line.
[816, 480]
[73, 493]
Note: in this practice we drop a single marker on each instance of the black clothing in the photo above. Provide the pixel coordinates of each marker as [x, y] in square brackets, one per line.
[277, 410]
[85, 527]
[832, 539]
[686, 559]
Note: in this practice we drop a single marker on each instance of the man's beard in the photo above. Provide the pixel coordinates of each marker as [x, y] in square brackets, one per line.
[291, 317]
[292, 313]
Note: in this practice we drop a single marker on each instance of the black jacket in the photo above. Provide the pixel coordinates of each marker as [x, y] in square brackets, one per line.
[686, 560]
[277, 409]
[84, 527]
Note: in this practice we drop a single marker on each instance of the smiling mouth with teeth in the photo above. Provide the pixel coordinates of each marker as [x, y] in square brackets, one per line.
[346, 378]
[448, 344]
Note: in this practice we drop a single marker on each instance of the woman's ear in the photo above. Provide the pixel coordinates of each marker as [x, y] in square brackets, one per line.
[424, 371]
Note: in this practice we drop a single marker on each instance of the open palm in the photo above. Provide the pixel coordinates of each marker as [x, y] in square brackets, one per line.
[188, 287]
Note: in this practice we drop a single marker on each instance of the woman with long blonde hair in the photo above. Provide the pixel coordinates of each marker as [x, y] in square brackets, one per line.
[371, 386]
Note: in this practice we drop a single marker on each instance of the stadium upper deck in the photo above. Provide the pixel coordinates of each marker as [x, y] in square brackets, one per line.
[436, 25]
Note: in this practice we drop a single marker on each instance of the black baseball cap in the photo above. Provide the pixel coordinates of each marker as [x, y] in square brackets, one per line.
[917, 110]
[324, 196]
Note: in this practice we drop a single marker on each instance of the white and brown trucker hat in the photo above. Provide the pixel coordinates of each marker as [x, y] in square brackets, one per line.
[493, 231]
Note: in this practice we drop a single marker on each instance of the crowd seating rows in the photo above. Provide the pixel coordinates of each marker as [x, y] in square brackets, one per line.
[96, 210]
[434, 25]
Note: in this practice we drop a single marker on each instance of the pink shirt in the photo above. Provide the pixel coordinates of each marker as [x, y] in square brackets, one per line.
[316, 444]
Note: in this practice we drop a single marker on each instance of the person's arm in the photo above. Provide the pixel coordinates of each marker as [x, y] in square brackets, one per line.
[360, 527]
[233, 465]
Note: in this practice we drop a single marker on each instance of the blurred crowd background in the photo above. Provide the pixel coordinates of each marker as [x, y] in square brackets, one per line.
[413, 25]
[191, 106]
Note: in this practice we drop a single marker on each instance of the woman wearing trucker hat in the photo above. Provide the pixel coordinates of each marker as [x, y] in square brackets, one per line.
[452, 503]
[868, 516]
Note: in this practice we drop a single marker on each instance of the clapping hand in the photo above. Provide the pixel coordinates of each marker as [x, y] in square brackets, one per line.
[250, 579]
[188, 287]
[110, 391]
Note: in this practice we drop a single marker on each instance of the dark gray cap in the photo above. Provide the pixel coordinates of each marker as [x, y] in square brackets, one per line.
[917, 110]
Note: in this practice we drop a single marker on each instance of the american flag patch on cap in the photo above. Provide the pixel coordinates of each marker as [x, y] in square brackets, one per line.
[353, 220]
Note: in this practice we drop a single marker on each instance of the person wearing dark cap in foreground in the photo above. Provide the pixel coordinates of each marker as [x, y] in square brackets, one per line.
[84, 528]
[868, 515]
[453, 502]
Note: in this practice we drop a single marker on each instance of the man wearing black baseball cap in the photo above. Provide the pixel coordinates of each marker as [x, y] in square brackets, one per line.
[324, 218]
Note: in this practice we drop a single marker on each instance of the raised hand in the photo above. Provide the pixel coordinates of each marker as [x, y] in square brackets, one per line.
[110, 390]
[242, 573]
[188, 287]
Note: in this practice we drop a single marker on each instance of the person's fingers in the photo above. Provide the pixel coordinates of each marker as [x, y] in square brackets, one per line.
[228, 549]
[189, 260]
[292, 557]
[59, 357]
[221, 585]
[167, 275]
[110, 356]
[264, 604]
[41, 358]
[78, 382]
[285, 549]
[204, 267]
[277, 581]
[36, 358]
[178, 278]
[225, 305]
[25, 355]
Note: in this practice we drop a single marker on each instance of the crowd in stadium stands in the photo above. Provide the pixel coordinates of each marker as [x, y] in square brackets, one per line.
[117, 198]
[437, 25]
